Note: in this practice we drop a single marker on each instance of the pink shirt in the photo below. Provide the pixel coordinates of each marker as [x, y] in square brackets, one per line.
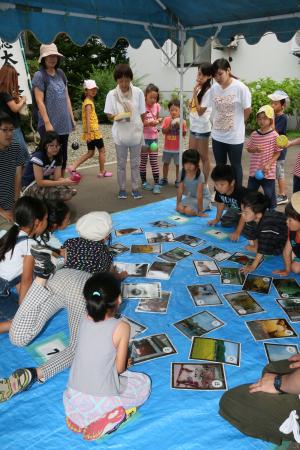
[152, 113]
[172, 138]
[267, 142]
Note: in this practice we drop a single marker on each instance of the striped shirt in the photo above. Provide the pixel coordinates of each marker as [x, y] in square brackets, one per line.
[271, 233]
[10, 158]
[267, 142]
[297, 166]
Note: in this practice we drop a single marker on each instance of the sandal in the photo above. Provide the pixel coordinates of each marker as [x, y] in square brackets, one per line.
[72, 426]
[19, 381]
[105, 425]
[104, 174]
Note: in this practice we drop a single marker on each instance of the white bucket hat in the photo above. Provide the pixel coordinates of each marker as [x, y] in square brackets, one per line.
[47, 50]
[94, 226]
[89, 84]
[278, 95]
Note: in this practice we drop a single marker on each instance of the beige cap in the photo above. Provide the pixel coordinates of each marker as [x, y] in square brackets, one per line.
[268, 110]
[94, 226]
[47, 50]
[295, 201]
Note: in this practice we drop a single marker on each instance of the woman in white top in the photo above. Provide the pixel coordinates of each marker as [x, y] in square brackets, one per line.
[125, 105]
[200, 125]
[230, 100]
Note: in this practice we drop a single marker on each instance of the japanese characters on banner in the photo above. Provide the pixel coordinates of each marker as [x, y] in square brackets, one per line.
[13, 54]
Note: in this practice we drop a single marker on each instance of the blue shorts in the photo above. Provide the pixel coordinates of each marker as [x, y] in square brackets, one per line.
[168, 156]
[199, 136]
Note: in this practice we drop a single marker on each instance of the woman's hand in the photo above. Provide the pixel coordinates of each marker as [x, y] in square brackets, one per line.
[68, 182]
[48, 126]
[265, 384]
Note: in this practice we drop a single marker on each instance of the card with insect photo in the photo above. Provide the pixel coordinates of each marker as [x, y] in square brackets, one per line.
[150, 347]
[153, 238]
[198, 377]
[204, 295]
[141, 290]
[206, 267]
[256, 283]
[291, 306]
[146, 248]
[279, 352]
[132, 269]
[125, 231]
[216, 350]
[162, 224]
[179, 219]
[287, 287]
[220, 235]
[161, 270]
[118, 249]
[136, 328]
[231, 275]
[192, 241]
[243, 303]
[175, 255]
[198, 324]
[243, 259]
[218, 254]
[154, 305]
[266, 329]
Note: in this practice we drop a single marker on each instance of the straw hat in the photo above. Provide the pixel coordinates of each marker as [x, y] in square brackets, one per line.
[295, 201]
[47, 50]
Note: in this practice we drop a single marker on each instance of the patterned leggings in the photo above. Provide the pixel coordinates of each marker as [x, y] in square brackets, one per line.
[64, 290]
[153, 157]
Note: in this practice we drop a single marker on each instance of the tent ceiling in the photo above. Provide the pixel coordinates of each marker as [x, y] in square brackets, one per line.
[112, 19]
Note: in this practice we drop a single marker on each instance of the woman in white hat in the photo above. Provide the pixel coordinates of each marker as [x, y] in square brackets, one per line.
[52, 98]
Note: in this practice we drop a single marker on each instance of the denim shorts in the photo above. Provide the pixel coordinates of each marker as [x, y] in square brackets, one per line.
[199, 136]
[168, 156]
[6, 286]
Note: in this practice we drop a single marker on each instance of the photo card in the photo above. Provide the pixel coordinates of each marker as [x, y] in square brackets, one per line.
[136, 328]
[243, 259]
[179, 219]
[287, 287]
[213, 232]
[125, 231]
[161, 270]
[146, 248]
[153, 238]
[154, 305]
[133, 269]
[118, 249]
[162, 224]
[150, 347]
[279, 352]
[204, 295]
[216, 253]
[175, 254]
[198, 324]
[257, 283]
[198, 377]
[206, 267]
[192, 241]
[216, 350]
[232, 275]
[291, 306]
[243, 303]
[265, 329]
[141, 290]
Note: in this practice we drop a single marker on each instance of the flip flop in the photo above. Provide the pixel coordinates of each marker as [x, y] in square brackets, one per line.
[105, 425]
[104, 174]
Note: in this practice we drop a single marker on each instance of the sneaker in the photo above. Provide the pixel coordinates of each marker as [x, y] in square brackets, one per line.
[122, 194]
[163, 182]
[19, 381]
[147, 186]
[281, 199]
[156, 189]
[136, 195]
[177, 183]
[43, 266]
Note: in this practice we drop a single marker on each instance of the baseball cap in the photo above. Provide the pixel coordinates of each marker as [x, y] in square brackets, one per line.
[278, 95]
[94, 226]
[295, 201]
[268, 110]
[89, 84]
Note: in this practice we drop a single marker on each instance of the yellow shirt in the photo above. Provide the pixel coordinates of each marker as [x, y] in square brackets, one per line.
[95, 132]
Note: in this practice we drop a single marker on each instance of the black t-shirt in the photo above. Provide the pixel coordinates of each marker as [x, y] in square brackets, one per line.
[271, 233]
[15, 117]
[295, 243]
[40, 159]
[233, 200]
[281, 128]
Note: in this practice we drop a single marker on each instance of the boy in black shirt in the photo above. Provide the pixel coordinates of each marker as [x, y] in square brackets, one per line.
[228, 196]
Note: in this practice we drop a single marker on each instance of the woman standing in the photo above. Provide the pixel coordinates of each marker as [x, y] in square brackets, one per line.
[52, 98]
[231, 106]
[125, 105]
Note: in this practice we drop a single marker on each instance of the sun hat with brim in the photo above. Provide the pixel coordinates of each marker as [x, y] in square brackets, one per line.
[94, 226]
[47, 50]
[278, 95]
[295, 201]
[268, 110]
[90, 84]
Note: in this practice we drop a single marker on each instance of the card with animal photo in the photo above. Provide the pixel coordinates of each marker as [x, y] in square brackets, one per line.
[231, 275]
[198, 377]
[287, 287]
[118, 249]
[154, 305]
[256, 283]
[206, 267]
[213, 232]
[141, 290]
[291, 306]
[218, 254]
[204, 295]
[216, 350]
[162, 224]
[152, 238]
[125, 231]
[187, 239]
[198, 324]
[146, 248]
[279, 352]
[132, 269]
[179, 219]
[161, 270]
[243, 259]
[270, 329]
[150, 347]
[136, 328]
[175, 255]
[242, 303]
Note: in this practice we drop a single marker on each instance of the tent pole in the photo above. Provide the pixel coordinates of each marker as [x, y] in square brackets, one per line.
[182, 36]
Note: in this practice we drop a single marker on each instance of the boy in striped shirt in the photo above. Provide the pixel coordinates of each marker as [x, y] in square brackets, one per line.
[264, 153]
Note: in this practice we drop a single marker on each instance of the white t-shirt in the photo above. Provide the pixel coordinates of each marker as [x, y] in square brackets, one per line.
[228, 107]
[127, 133]
[200, 124]
[12, 266]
